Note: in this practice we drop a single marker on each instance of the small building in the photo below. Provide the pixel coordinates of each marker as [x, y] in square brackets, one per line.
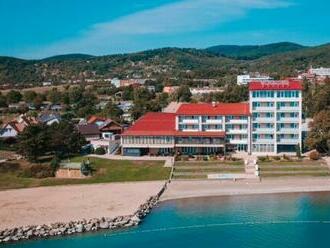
[246, 79]
[89, 131]
[170, 89]
[49, 119]
[70, 170]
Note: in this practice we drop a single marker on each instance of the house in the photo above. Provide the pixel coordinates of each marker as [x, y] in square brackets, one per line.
[89, 131]
[270, 123]
[246, 79]
[56, 107]
[170, 89]
[49, 119]
[107, 127]
[12, 128]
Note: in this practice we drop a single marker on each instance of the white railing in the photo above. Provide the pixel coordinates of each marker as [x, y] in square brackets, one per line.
[213, 121]
[237, 121]
[189, 121]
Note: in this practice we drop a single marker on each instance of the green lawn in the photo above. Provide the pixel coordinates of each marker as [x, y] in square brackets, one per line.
[105, 171]
[200, 169]
[202, 163]
[294, 168]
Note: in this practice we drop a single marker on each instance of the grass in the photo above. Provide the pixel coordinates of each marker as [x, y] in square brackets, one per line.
[294, 168]
[202, 163]
[105, 171]
[200, 169]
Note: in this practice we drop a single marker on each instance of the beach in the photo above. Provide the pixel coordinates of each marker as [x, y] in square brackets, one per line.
[193, 188]
[46, 205]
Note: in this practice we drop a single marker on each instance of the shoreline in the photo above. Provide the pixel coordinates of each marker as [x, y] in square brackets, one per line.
[186, 189]
[66, 228]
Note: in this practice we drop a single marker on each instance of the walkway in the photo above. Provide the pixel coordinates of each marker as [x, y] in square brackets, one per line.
[187, 189]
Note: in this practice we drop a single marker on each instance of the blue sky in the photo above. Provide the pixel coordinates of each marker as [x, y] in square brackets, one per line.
[41, 28]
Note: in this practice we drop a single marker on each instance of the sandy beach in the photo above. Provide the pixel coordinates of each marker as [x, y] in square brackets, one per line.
[188, 189]
[46, 205]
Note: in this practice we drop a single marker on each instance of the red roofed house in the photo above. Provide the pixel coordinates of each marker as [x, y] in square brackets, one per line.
[107, 127]
[269, 123]
[13, 128]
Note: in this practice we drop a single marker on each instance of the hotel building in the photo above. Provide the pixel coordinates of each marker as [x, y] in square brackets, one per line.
[269, 123]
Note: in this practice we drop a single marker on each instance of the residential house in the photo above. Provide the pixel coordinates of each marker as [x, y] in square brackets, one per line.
[49, 119]
[12, 128]
[108, 127]
[89, 131]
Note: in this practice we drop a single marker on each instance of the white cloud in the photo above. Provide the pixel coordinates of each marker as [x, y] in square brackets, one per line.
[170, 19]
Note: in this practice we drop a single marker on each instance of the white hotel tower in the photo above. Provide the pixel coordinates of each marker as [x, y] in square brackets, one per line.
[276, 116]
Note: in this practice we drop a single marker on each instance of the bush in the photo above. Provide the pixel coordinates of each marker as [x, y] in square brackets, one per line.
[277, 158]
[37, 171]
[314, 155]
[264, 159]
[99, 151]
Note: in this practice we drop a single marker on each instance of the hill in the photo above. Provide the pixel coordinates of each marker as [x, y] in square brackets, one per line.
[73, 56]
[253, 52]
[164, 64]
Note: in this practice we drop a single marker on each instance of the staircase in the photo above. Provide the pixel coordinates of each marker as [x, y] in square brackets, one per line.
[113, 148]
[251, 168]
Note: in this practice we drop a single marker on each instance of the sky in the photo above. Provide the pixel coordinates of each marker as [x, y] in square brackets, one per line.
[42, 28]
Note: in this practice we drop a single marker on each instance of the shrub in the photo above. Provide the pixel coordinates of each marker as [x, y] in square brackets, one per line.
[314, 155]
[277, 158]
[263, 159]
[37, 171]
[99, 151]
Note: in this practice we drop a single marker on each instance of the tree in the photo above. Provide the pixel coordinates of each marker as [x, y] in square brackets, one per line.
[54, 96]
[183, 94]
[113, 111]
[65, 139]
[33, 142]
[3, 101]
[14, 96]
[29, 96]
[60, 139]
[319, 135]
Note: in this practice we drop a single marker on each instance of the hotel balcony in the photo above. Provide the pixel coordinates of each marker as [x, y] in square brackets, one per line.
[200, 142]
[264, 130]
[288, 141]
[213, 121]
[238, 141]
[189, 121]
[237, 131]
[288, 130]
[190, 130]
[264, 120]
[263, 109]
[212, 130]
[237, 121]
[288, 119]
[288, 109]
[263, 141]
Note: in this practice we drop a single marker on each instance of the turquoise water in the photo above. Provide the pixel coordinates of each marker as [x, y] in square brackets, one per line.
[294, 220]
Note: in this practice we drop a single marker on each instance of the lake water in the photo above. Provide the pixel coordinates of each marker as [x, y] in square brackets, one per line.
[271, 221]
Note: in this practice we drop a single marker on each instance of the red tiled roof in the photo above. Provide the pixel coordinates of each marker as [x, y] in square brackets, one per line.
[218, 109]
[92, 119]
[152, 124]
[276, 85]
[163, 124]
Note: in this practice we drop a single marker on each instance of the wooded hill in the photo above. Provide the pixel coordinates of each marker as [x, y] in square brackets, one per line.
[278, 60]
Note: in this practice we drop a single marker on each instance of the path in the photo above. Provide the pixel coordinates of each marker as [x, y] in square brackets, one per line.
[187, 189]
